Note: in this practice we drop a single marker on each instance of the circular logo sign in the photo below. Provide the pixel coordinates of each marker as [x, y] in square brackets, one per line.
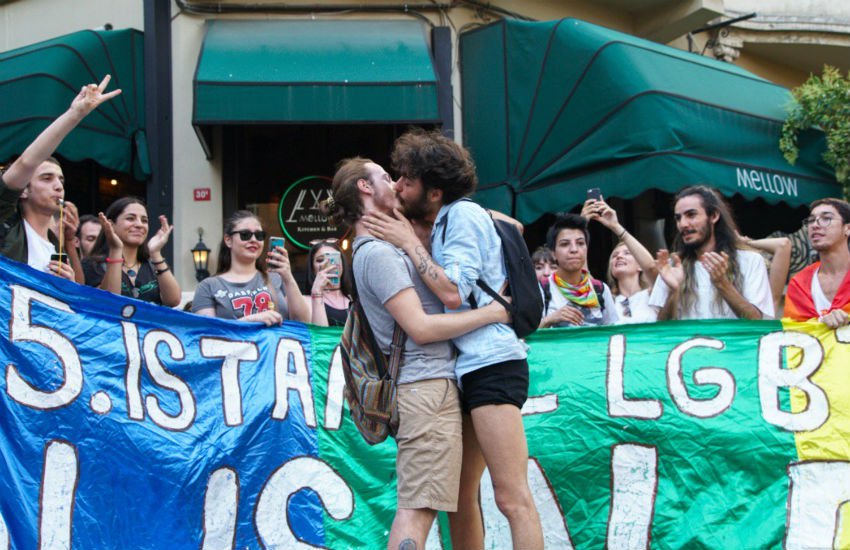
[299, 214]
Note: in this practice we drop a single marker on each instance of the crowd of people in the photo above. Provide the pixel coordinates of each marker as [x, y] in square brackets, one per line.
[713, 273]
[419, 252]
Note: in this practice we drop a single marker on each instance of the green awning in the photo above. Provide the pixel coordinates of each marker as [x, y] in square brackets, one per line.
[38, 83]
[315, 72]
[554, 108]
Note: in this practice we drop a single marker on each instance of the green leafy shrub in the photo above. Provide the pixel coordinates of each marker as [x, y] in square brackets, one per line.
[823, 102]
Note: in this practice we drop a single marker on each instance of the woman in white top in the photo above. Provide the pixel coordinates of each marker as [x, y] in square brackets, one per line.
[575, 297]
[631, 268]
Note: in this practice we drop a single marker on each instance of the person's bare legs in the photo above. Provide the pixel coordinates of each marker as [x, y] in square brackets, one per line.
[466, 525]
[501, 437]
[410, 528]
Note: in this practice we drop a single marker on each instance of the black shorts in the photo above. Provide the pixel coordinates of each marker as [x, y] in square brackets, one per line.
[498, 384]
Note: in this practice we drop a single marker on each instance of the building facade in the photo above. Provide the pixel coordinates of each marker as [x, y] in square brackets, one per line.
[251, 154]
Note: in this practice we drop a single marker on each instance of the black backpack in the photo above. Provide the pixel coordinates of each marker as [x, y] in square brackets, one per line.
[526, 305]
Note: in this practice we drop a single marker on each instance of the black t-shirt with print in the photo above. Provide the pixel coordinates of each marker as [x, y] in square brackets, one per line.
[145, 287]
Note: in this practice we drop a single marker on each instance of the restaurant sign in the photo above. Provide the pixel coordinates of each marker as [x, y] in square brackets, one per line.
[299, 214]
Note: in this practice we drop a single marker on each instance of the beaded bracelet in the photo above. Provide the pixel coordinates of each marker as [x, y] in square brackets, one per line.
[114, 260]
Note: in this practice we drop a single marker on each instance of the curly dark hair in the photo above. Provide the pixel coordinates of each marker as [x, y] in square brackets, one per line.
[437, 161]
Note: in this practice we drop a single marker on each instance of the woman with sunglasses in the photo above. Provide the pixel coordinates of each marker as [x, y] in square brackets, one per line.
[125, 262]
[327, 278]
[245, 287]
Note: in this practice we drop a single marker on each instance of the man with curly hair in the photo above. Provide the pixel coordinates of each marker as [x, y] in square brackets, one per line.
[435, 176]
[428, 463]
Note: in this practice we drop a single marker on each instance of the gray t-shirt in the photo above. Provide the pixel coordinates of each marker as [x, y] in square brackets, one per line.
[381, 271]
[237, 300]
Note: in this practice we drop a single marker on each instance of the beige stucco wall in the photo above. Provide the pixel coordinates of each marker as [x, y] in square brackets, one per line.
[25, 22]
[191, 168]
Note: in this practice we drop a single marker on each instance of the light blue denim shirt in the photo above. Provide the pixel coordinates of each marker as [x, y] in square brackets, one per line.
[471, 251]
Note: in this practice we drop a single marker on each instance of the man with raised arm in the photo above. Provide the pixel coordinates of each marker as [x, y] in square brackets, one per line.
[822, 290]
[428, 464]
[32, 191]
[435, 176]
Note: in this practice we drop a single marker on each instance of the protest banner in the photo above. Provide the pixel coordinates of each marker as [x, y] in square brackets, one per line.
[128, 425]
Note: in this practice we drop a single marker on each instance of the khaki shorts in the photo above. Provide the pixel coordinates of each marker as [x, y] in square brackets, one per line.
[430, 447]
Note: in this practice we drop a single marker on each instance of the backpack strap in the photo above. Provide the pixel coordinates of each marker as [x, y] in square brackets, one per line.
[547, 296]
[396, 349]
[399, 336]
[481, 284]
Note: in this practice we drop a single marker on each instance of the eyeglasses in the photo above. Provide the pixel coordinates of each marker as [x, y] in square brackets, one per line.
[314, 242]
[245, 234]
[821, 221]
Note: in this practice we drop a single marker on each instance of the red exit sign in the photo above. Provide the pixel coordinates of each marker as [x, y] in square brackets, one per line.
[202, 193]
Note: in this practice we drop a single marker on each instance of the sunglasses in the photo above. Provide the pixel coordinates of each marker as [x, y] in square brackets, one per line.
[245, 234]
[314, 242]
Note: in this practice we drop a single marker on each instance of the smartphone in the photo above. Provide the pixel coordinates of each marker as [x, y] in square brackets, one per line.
[61, 258]
[276, 241]
[334, 258]
[594, 193]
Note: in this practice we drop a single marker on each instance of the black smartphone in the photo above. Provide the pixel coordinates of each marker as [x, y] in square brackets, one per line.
[61, 258]
[594, 193]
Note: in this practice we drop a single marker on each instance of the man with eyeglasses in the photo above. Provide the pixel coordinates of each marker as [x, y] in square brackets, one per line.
[822, 290]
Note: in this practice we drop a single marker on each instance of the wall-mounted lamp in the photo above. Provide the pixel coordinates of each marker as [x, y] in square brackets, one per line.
[201, 257]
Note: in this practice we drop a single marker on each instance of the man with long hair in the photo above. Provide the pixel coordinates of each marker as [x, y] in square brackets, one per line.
[708, 276]
[822, 290]
[435, 176]
[428, 463]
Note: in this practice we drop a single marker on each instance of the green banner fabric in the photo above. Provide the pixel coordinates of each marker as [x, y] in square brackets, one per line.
[668, 435]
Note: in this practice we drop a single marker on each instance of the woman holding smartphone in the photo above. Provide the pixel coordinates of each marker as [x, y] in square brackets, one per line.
[631, 268]
[124, 261]
[329, 284]
[245, 287]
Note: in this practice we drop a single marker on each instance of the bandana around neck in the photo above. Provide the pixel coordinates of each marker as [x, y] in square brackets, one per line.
[581, 294]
